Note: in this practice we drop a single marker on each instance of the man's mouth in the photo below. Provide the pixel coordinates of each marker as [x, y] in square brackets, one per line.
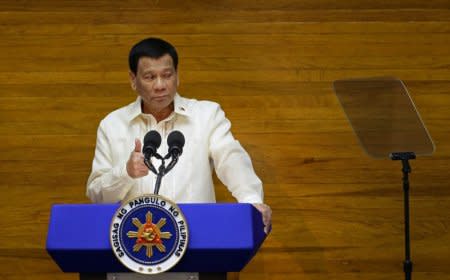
[162, 97]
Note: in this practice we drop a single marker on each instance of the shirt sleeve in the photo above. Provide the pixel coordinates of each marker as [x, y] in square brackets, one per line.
[107, 183]
[232, 163]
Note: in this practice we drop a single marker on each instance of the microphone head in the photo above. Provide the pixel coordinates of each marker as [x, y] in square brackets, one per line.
[175, 141]
[152, 141]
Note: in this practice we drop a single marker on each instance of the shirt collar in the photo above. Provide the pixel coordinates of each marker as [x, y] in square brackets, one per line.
[180, 107]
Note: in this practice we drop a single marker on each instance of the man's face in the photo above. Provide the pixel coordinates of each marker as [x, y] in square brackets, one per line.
[156, 82]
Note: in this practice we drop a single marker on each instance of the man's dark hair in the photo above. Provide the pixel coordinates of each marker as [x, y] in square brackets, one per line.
[153, 48]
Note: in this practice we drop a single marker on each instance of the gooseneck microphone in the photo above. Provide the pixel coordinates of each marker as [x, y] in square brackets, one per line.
[175, 141]
[152, 141]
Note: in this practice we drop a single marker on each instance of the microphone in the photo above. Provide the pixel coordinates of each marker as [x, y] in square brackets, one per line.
[152, 141]
[175, 141]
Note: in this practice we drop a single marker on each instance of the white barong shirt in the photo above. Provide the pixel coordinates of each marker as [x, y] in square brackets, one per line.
[209, 145]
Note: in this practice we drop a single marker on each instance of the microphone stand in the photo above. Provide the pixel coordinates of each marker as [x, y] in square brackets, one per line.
[161, 173]
[162, 170]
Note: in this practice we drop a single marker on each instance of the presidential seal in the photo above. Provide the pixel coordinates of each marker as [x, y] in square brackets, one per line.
[149, 234]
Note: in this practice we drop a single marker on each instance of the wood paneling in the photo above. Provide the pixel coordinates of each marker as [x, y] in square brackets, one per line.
[337, 213]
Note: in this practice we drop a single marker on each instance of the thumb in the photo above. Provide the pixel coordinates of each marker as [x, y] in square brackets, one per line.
[137, 145]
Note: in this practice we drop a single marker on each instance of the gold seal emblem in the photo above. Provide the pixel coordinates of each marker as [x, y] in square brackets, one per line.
[149, 234]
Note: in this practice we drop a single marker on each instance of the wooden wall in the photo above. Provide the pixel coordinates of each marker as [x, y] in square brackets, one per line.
[337, 213]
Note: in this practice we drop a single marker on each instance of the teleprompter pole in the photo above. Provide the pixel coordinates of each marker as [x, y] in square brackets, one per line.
[406, 169]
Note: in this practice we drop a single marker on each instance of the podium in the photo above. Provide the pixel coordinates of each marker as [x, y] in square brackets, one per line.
[223, 237]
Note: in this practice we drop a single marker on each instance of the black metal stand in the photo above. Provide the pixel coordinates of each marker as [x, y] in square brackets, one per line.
[162, 170]
[406, 169]
[159, 175]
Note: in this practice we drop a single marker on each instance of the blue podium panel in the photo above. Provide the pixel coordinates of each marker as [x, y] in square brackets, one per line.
[222, 237]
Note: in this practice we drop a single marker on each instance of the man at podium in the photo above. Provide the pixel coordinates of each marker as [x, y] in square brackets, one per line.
[118, 169]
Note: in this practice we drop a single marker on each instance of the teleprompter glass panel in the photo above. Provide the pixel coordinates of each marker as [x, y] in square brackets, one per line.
[383, 116]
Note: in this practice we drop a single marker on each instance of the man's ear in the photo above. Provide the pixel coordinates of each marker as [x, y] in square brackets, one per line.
[178, 79]
[132, 80]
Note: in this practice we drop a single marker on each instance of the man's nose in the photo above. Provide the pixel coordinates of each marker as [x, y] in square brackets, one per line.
[160, 83]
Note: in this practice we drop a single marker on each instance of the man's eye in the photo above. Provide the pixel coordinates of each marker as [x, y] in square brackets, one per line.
[167, 75]
[149, 77]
